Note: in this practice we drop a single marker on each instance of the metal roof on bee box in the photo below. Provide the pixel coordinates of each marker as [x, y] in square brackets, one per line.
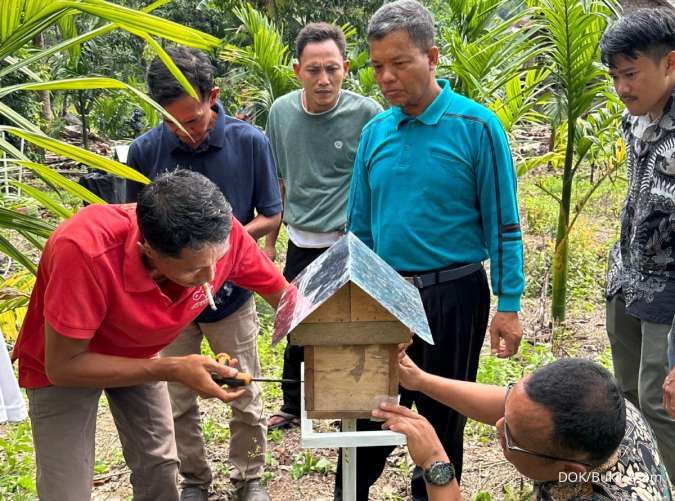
[350, 260]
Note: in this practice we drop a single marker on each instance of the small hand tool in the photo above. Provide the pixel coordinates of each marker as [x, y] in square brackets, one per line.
[242, 379]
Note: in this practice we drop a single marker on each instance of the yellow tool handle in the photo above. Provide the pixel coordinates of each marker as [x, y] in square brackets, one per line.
[241, 379]
[223, 358]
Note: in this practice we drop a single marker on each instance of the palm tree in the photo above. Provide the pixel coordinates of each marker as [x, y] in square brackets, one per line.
[261, 70]
[491, 55]
[579, 92]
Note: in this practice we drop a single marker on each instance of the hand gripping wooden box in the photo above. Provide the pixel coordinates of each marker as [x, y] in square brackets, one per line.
[350, 311]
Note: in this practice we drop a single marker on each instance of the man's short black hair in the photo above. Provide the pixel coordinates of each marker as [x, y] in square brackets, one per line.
[194, 64]
[183, 210]
[588, 408]
[320, 32]
[650, 32]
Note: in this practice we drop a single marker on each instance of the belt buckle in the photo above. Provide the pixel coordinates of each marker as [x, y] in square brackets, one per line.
[418, 282]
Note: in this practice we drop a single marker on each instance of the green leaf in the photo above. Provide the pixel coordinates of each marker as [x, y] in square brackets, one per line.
[17, 118]
[48, 202]
[66, 44]
[87, 83]
[130, 19]
[78, 154]
[13, 220]
[7, 248]
[61, 181]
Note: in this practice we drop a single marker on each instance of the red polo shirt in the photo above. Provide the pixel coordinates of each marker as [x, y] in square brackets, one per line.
[92, 284]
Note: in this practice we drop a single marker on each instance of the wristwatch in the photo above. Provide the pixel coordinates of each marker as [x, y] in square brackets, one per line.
[439, 473]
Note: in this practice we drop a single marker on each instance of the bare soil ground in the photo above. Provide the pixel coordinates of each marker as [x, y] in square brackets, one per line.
[485, 469]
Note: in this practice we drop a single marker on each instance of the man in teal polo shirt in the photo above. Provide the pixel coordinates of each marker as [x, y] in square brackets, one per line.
[434, 194]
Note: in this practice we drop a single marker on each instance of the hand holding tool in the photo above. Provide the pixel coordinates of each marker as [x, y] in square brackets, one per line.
[243, 378]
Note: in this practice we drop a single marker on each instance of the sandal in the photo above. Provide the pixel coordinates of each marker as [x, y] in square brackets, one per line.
[280, 420]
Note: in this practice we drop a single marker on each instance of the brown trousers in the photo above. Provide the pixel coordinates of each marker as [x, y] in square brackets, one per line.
[64, 428]
[235, 335]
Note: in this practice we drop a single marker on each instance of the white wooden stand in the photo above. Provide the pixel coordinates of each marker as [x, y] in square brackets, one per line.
[348, 440]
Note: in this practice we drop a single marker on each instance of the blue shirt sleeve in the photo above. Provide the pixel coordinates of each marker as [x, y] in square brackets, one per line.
[267, 197]
[497, 193]
[358, 206]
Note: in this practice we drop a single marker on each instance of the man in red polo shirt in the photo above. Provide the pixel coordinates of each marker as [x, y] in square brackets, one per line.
[115, 285]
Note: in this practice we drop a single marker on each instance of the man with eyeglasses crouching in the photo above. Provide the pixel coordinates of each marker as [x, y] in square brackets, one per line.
[566, 426]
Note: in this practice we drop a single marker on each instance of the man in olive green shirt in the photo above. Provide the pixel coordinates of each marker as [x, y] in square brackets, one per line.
[314, 133]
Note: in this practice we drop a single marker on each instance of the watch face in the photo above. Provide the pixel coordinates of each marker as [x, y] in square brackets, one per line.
[439, 473]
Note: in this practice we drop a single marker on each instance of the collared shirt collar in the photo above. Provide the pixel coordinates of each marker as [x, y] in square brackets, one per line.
[434, 112]
[136, 274]
[216, 137]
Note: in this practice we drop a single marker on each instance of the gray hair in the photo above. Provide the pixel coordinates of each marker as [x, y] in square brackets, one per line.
[403, 15]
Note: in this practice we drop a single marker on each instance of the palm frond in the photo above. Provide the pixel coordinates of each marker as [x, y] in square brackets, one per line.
[62, 182]
[78, 154]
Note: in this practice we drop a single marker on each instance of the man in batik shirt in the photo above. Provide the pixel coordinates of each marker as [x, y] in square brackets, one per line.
[639, 51]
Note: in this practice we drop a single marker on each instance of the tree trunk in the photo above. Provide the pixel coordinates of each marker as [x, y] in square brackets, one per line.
[45, 97]
[560, 257]
[82, 110]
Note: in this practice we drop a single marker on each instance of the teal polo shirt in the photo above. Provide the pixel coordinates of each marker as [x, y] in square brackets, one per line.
[439, 189]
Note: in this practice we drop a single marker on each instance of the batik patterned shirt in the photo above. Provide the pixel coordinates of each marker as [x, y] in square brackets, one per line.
[635, 472]
[642, 264]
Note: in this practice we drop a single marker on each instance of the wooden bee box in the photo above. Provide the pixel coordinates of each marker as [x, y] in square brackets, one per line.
[351, 355]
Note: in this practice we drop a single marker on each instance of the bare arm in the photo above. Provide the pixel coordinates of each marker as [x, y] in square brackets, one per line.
[669, 394]
[273, 299]
[423, 444]
[69, 363]
[273, 235]
[481, 402]
[262, 225]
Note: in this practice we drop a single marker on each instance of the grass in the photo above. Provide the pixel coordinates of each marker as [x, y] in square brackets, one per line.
[307, 462]
[594, 233]
[592, 237]
[17, 464]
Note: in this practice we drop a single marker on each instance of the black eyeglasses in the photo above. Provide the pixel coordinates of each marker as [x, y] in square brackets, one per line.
[512, 447]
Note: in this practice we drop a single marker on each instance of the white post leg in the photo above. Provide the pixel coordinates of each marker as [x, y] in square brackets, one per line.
[349, 465]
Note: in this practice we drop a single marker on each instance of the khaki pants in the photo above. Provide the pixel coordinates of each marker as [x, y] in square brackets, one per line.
[64, 426]
[640, 356]
[237, 336]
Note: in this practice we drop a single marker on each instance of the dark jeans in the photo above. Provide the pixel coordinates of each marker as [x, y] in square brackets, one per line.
[458, 313]
[297, 259]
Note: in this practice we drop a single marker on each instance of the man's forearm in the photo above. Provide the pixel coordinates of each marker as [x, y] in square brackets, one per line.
[261, 225]
[448, 492]
[94, 370]
[272, 236]
[274, 298]
[480, 402]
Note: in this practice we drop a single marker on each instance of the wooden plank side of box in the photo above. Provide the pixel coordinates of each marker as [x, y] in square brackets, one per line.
[340, 333]
[335, 309]
[348, 380]
[364, 308]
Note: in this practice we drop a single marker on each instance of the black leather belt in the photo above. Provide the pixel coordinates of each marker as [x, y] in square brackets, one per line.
[442, 276]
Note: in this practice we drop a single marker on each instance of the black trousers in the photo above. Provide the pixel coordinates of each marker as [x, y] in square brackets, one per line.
[297, 259]
[458, 313]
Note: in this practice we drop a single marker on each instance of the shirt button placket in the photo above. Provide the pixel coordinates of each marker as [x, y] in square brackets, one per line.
[407, 138]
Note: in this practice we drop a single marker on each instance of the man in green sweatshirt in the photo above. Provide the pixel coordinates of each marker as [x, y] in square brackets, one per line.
[314, 133]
